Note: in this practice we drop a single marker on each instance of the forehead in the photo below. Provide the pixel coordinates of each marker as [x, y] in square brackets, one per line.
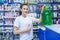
[25, 6]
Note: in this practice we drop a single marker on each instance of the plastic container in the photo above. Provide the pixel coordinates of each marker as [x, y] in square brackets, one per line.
[46, 16]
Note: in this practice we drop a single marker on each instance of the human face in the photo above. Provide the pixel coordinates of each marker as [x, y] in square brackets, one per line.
[24, 10]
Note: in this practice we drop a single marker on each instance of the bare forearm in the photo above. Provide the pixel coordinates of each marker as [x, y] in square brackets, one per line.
[26, 30]
[22, 31]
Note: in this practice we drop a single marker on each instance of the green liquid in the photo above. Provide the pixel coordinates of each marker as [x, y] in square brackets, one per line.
[46, 17]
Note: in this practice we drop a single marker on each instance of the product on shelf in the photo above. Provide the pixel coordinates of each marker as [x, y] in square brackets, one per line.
[54, 21]
[15, 7]
[1, 15]
[1, 22]
[1, 7]
[58, 15]
[58, 7]
[30, 8]
[55, 14]
[50, 7]
[8, 15]
[6, 35]
[58, 21]
[25, 1]
[21, 1]
[45, 1]
[30, 1]
[38, 11]
[46, 16]
[12, 7]
[11, 14]
[8, 7]
[15, 14]
[34, 1]
[8, 22]
[13, 21]
[55, 7]
[34, 8]
[6, 0]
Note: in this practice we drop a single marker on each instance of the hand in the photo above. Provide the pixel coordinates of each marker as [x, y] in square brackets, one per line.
[29, 28]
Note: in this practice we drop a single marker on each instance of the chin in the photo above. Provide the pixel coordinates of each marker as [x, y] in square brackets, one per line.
[25, 13]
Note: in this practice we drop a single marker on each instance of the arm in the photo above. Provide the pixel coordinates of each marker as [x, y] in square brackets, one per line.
[16, 27]
[39, 19]
[17, 31]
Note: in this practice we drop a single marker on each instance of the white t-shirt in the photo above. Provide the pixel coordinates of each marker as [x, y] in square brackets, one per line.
[22, 23]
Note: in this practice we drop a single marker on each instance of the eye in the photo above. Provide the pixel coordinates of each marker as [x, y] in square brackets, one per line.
[25, 8]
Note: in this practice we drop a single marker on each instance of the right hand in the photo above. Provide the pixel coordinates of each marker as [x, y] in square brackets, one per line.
[29, 28]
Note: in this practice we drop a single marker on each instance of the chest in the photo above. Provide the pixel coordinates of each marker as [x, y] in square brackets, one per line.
[24, 22]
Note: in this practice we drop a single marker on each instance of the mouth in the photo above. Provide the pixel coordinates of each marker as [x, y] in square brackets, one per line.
[26, 12]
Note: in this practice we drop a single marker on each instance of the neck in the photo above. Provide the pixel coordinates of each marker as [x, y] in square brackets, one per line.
[23, 15]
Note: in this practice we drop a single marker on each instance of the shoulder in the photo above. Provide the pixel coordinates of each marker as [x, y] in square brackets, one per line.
[17, 18]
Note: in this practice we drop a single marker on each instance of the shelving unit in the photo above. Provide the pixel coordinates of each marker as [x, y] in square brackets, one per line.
[8, 11]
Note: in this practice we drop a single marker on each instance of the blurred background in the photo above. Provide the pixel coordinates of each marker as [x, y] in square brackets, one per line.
[9, 10]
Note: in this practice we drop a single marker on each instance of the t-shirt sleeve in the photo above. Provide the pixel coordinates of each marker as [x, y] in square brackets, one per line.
[16, 22]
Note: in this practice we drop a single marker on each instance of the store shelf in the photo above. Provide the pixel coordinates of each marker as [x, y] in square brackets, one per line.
[5, 25]
[55, 18]
[13, 18]
[56, 10]
[35, 28]
[58, 3]
[32, 4]
[53, 3]
[10, 3]
[15, 3]
[9, 10]
[45, 3]
[8, 25]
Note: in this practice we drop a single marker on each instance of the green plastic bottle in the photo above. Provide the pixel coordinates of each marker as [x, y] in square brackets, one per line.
[46, 17]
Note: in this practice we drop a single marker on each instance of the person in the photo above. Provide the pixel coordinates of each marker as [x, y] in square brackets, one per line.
[23, 24]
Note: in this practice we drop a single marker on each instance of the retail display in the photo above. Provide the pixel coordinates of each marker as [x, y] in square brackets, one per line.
[9, 10]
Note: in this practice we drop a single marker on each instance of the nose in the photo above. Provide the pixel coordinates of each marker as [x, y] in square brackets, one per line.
[26, 10]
